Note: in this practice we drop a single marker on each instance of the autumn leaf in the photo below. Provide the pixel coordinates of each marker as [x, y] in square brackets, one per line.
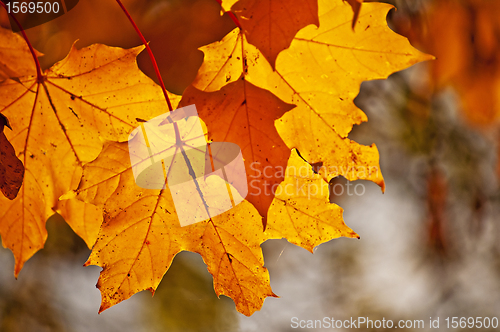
[244, 114]
[301, 210]
[320, 73]
[269, 90]
[242, 100]
[15, 57]
[11, 168]
[271, 25]
[141, 235]
[59, 121]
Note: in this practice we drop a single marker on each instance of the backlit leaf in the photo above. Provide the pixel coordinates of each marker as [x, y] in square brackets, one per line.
[141, 235]
[285, 82]
[244, 114]
[58, 123]
[270, 25]
[301, 211]
[320, 73]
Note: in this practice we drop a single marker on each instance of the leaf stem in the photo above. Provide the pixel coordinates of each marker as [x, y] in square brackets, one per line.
[39, 76]
[151, 56]
[231, 15]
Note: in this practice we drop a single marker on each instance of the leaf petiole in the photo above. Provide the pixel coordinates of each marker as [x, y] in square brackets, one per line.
[151, 56]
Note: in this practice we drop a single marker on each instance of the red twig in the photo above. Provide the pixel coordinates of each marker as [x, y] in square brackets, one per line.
[151, 56]
[39, 75]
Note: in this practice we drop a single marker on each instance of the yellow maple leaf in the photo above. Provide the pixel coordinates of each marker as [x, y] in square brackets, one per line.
[301, 211]
[303, 102]
[320, 73]
[141, 235]
[59, 121]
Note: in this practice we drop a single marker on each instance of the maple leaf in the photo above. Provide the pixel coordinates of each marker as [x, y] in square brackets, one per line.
[301, 210]
[301, 98]
[15, 57]
[141, 235]
[320, 73]
[270, 25]
[59, 121]
[11, 168]
[244, 114]
[244, 101]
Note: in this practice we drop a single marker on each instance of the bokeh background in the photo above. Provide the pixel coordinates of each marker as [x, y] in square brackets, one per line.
[429, 247]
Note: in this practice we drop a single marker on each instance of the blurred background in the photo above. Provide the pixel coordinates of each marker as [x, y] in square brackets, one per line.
[429, 246]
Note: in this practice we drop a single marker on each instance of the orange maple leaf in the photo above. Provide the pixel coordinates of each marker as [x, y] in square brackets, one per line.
[59, 121]
[244, 114]
[320, 73]
[271, 25]
[141, 235]
[244, 100]
[270, 97]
